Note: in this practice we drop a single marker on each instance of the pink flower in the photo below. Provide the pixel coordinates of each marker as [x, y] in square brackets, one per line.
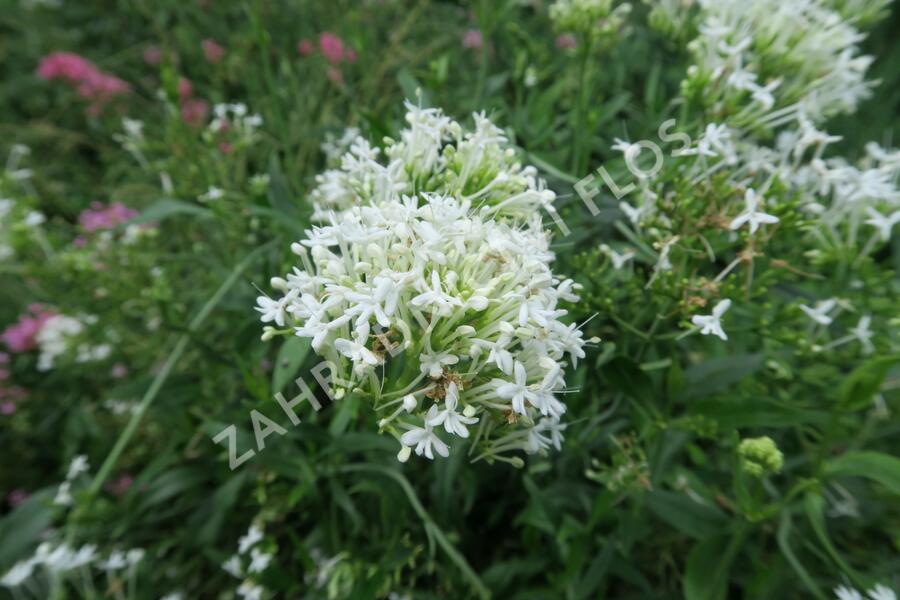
[4, 374]
[473, 40]
[4, 358]
[99, 217]
[213, 51]
[566, 41]
[334, 74]
[185, 89]
[350, 55]
[225, 148]
[305, 47]
[7, 408]
[16, 497]
[89, 82]
[20, 336]
[119, 371]
[194, 111]
[120, 485]
[332, 47]
[80, 242]
[152, 55]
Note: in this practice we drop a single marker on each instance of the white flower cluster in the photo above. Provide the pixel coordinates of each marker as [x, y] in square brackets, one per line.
[56, 336]
[234, 118]
[788, 55]
[431, 290]
[259, 562]
[591, 17]
[60, 559]
[879, 592]
[433, 154]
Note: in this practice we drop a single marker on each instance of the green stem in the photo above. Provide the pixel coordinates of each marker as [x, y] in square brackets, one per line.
[163, 374]
[428, 522]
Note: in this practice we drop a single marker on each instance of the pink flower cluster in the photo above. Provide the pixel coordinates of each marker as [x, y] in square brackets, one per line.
[212, 51]
[100, 216]
[20, 336]
[193, 110]
[333, 49]
[91, 83]
[473, 40]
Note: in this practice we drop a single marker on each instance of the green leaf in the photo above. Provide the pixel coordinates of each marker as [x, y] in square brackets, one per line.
[290, 358]
[163, 209]
[708, 565]
[858, 388]
[412, 89]
[883, 468]
[699, 521]
[718, 374]
[815, 512]
[784, 532]
[23, 527]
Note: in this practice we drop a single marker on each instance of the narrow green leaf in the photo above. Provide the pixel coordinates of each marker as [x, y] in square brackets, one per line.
[883, 468]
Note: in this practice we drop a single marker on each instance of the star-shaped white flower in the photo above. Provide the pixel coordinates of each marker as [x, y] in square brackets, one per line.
[275, 310]
[452, 421]
[423, 438]
[517, 391]
[432, 363]
[752, 214]
[712, 324]
[884, 224]
[259, 561]
[232, 566]
[359, 354]
[863, 334]
[819, 314]
[254, 535]
[78, 466]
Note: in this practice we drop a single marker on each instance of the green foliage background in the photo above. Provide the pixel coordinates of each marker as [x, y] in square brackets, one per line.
[609, 516]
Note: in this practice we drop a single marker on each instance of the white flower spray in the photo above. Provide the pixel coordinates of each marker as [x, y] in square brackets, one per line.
[429, 286]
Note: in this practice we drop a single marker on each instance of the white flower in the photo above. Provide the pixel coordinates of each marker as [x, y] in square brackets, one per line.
[133, 127]
[537, 440]
[78, 466]
[845, 593]
[18, 574]
[232, 566]
[423, 438]
[819, 314]
[712, 324]
[213, 193]
[863, 334]
[250, 591]
[253, 536]
[64, 494]
[618, 260]
[54, 337]
[115, 562]
[259, 561]
[34, 218]
[432, 363]
[173, 596]
[356, 352]
[275, 310]
[452, 421]
[517, 391]
[881, 592]
[752, 214]
[134, 556]
[884, 224]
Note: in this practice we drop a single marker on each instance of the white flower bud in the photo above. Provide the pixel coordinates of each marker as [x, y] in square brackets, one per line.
[404, 453]
[409, 403]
